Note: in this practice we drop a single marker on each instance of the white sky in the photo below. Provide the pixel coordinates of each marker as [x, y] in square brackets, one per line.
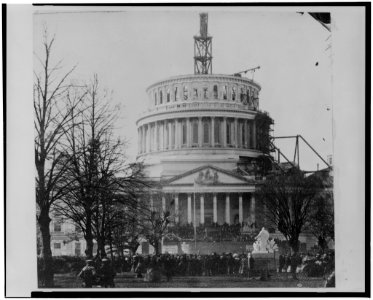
[132, 49]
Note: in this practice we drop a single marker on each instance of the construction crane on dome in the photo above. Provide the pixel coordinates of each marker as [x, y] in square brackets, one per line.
[252, 70]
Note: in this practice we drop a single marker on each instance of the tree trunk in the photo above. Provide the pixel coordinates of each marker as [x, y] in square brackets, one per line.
[294, 244]
[47, 269]
[89, 237]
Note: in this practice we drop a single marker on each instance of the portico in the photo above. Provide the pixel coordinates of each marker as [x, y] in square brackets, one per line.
[208, 195]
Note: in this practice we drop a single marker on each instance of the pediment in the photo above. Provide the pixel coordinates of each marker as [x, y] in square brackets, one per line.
[207, 176]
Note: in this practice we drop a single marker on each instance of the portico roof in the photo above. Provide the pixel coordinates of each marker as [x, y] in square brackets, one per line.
[208, 178]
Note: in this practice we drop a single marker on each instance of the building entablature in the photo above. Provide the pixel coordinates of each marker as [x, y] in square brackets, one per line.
[196, 111]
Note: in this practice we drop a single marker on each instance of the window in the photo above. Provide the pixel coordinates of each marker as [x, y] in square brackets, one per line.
[155, 98]
[215, 92]
[225, 92]
[195, 133]
[205, 93]
[57, 245]
[217, 131]
[168, 95]
[185, 93]
[176, 96]
[195, 93]
[57, 226]
[184, 133]
[206, 133]
[160, 97]
[242, 95]
[233, 94]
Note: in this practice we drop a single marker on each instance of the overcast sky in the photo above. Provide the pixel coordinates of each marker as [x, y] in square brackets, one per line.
[129, 50]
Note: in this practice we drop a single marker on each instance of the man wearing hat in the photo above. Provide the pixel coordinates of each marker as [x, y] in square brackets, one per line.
[107, 273]
[88, 274]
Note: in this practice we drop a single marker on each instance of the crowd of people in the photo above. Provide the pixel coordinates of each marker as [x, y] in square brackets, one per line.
[102, 272]
[215, 232]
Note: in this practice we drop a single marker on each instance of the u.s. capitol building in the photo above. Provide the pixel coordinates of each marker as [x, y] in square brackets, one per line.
[199, 141]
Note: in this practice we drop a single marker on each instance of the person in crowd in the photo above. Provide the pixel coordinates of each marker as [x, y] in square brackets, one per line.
[251, 264]
[294, 261]
[106, 273]
[281, 263]
[88, 274]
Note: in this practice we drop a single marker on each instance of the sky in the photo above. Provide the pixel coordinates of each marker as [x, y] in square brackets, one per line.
[130, 49]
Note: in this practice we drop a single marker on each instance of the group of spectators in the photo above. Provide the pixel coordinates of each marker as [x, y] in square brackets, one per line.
[102, 272]
[216, 232]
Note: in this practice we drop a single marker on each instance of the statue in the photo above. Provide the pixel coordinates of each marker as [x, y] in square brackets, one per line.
[261, 243]
[272, 247]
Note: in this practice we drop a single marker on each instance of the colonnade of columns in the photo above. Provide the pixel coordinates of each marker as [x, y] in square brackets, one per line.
[201, 209]
[197, 132]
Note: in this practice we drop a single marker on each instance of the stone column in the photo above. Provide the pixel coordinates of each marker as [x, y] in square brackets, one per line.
[227, 210]
[148, 147]
[215, 208]
[189, 134]
[165, 135]
[156, 136]
[224, 131]
[240, 210]
[163, 203]
[200, 132]
[246, 135]
[236, 133]
[254, 134]
[252, 209]
[177, 134]
[189, 208]
[212, 131]
[202, 209]
[145, 139]
[177, 208]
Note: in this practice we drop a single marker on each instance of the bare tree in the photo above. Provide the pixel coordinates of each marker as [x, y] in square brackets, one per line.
[321, 220]
[288, 198]
[155, 221]
[97, 171]
[53, 111]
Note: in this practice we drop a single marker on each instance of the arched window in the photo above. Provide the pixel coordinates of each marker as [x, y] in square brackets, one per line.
[168, 95]
[176, 95]
[195, 133]
[185, 93]
[233, 94]
[155, 98]
[242, 95]
[215, 92]
[195, 93]
[217, 132]
[225, 92]
[206, 132]
[160, 97]
[205, 93]
[184, 139]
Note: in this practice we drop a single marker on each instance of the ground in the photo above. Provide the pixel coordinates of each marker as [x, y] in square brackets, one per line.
[128, 280]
